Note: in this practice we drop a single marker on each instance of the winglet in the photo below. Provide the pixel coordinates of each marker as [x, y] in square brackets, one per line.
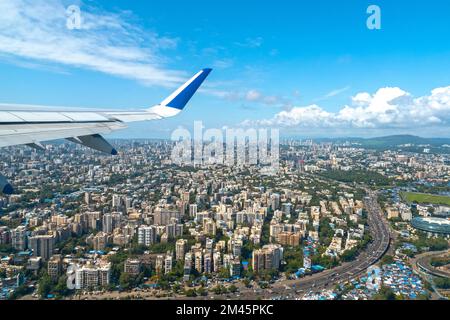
[181, 97]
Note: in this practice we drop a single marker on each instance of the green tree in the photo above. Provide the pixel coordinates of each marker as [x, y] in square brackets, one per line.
[385, 293]
[387, 259]
[20, 292]
[349, 255]
[219, 289]
[61, 289]
[191, 293]
[45, 286]
[125, 281]
[442, 283]
[233, 288]
[201, 291]
[224, 273]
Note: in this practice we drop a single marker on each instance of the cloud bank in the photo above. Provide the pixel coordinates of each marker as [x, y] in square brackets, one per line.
[390, 108]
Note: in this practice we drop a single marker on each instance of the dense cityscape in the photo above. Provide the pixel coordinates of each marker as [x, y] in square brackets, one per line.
[338, 221]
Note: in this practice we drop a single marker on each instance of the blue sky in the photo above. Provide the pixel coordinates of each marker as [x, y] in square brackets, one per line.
[309, 68]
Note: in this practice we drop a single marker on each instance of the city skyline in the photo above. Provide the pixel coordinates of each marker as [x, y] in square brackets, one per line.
[317, 71]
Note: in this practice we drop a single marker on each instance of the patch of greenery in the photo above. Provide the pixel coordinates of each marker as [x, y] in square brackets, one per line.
[440, 261]
[442, 283]
[359, 176]
[423, 198]
[385, 293]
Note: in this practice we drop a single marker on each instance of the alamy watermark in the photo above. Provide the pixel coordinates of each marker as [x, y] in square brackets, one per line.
[73, 21]
[374, 20]
[229, 147]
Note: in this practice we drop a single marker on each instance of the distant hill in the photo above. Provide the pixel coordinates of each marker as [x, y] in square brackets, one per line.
[407, 139]
[393, 141]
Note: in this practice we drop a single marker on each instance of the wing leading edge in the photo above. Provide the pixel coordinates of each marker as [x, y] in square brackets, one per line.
[28, 126]
[18, 127]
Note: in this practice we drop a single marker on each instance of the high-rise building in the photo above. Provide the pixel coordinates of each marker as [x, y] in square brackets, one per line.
[207, 263]
[107, 223]
[200, 216]
[99, 241]
[209, 245]
[168, 261]
[94, 220]
[235, 267]
[235, 247]
[91, 277]
[258, 260]
[269, 257]
[87, 198]
[5, 235]
[198, 263]
[187, 266]
[128, 203]
[54, 267]
[159, 263]
[275, 201]
[186, 196]
[42, 246]
[209, 226]
[162, 216]
[192, 210]
[19, 238]
[174, 230]
[289, 239]
[147, 235]
[217, 261]
[132, 267]
[116, 201]
[287, 208]
[180, 248]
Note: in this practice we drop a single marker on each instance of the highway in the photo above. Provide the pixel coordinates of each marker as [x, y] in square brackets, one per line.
[328, 279]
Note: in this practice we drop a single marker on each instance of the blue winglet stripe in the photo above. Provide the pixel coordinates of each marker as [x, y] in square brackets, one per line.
[180, 101]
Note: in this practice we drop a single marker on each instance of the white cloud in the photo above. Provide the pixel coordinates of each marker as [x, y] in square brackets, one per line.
[251, 42]
[223, 63]
[250, 96]
[387, 108]
[332, 93]
[253, 95]
[35, 30]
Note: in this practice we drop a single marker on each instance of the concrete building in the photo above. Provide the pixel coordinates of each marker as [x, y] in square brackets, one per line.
[168, 262]
[90, 277]
[132, 267]
[180, 249]
[198, 261]
[19, 238]
[147, 235]
[269, 257]
[192, 210]
[187, 266]
[54, 267]
[42, 246]
[107, 223]
[235, 267]
[207, 263]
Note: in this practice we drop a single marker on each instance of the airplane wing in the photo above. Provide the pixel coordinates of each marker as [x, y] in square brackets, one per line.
[32, 125]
